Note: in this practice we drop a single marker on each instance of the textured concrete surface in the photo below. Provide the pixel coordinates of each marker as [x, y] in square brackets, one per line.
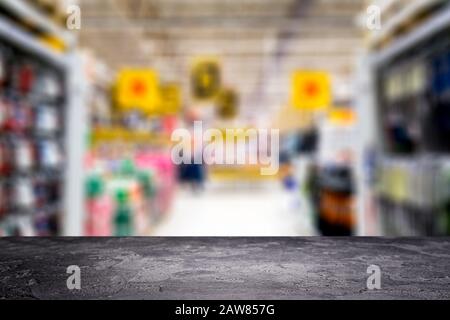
[224, 268]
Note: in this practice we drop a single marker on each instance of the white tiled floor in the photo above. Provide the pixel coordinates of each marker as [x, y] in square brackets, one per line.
[224, 210]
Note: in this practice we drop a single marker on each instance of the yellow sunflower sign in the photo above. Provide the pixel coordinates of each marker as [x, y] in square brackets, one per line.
[138, 89]
[310, 90]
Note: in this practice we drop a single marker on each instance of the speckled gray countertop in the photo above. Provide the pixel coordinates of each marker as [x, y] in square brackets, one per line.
[224, 268]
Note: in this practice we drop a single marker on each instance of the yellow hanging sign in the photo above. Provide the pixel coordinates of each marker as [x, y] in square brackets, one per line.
[205, 79]
[310, 90]
[342, 116]
[170, 99]
[138, 89]
[227, 104]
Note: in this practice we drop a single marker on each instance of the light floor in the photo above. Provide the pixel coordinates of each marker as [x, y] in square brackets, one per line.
[224, 209]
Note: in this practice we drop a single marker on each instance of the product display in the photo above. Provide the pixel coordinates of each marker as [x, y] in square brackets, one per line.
[413, 107]
[127, 196]
[336, 202]
[32, 106]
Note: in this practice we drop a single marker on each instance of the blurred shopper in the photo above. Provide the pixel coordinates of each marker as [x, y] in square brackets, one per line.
[192, 173]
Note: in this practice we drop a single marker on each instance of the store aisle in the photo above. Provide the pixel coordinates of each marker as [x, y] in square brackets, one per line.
[236, 210]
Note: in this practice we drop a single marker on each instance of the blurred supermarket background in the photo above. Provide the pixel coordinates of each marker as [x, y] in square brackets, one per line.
[89, 99]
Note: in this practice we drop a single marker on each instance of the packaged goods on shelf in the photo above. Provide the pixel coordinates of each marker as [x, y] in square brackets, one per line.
[412, 196]
[412, 96]
[164, 171]
[127, 195]
[32, 106]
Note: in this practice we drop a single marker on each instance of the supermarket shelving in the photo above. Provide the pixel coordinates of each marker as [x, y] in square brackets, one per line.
[26, 41]
[433, 26]
[406, 15]
[68, 63]
[30, 14]
[404, 203]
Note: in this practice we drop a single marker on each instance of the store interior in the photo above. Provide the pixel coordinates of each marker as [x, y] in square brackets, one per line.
[353, 96]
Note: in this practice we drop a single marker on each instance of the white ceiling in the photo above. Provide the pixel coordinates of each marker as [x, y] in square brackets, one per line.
[260, 42]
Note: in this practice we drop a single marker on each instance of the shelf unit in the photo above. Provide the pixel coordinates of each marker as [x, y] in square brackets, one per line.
[407, 14]
[26, 12]
[410, 187]
[68, 204]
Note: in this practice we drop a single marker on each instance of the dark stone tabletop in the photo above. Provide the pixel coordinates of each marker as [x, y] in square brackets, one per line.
[224, 268]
